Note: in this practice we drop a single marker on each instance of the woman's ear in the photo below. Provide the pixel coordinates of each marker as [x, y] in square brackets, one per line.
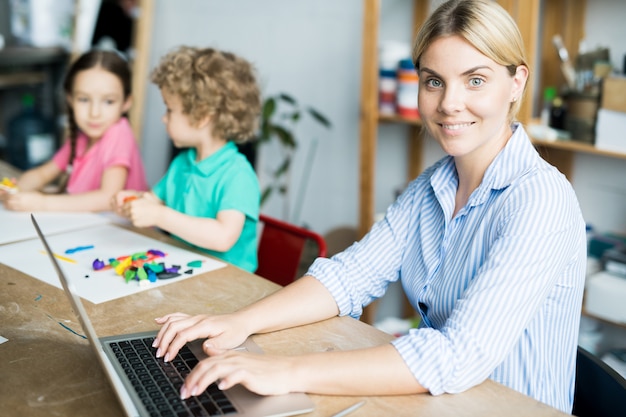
[519, 82]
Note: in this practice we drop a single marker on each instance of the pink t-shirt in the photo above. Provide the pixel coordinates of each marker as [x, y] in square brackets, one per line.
[117, 147]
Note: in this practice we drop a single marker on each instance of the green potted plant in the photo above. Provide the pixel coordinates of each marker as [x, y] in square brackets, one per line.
[279, 119]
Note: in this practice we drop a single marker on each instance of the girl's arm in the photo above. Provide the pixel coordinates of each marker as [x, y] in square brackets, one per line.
[35, 179]
[113, 180]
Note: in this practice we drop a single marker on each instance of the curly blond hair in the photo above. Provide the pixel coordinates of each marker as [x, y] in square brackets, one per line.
[213, 83]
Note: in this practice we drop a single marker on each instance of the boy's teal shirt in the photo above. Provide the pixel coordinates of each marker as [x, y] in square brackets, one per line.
[222, 181]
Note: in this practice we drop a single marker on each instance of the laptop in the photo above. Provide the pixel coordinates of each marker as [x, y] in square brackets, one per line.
[152, 389]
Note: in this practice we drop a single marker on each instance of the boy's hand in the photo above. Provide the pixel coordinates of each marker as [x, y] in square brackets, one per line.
[142, 212]
[119, 200]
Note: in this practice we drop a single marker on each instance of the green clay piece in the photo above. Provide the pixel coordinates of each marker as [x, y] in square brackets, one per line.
[194, 264]
[154, 267]
[114, 263]
[129, 274]
[142, 274]
[139, 255]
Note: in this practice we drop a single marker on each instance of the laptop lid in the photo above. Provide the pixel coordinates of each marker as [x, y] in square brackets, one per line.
[85, 323]
[249, 403]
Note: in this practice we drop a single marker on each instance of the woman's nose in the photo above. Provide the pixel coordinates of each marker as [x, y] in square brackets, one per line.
[452, 99]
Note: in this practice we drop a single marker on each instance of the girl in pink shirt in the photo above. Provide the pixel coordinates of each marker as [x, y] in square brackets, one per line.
[101, 156]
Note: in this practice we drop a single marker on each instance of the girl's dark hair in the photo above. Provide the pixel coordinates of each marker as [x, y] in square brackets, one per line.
[110, 61]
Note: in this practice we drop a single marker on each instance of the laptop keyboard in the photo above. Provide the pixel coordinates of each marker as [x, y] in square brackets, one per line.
[157, 383]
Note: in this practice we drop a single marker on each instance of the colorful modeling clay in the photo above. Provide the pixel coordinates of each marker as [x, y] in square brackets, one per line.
[141, 267]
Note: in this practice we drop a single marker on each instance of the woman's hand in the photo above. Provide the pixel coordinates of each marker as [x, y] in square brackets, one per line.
[263, 374]
[223, 332]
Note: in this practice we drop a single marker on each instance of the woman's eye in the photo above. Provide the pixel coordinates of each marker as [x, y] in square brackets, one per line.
[476, 82]
[433, 83]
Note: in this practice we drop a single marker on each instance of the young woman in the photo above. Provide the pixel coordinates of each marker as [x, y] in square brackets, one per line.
[489, 244]
[101, 156]
[209, 197]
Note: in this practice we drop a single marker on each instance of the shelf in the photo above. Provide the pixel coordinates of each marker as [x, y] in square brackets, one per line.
[385, 118]
[580, 147]
[22, 78]
[602, 320]
[26, 56]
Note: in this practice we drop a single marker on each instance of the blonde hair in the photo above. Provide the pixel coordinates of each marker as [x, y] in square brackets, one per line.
[486, 26]
[213, 83]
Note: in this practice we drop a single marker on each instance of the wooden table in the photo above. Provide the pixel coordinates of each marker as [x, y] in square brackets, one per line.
[46, 370]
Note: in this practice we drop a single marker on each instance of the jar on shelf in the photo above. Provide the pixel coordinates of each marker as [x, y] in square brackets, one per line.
[387, 88]
[408, 87]
[389, 54]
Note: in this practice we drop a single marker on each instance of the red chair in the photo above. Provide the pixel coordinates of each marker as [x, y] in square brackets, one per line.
[280, 249]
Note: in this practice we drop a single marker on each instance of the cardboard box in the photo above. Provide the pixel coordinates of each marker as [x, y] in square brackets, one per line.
[610, 129]
[614, 93]
[605, 295]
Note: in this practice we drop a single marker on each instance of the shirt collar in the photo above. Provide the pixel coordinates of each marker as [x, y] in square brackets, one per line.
[212, 162]
[516, 158]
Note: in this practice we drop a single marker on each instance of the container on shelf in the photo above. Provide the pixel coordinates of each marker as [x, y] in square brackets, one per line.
[408, 87]
[390, 53]
[582, 112]
[30, 136]
[387, 88]
[548, 95]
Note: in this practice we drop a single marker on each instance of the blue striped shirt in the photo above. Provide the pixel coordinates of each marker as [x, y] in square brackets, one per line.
[499, 287]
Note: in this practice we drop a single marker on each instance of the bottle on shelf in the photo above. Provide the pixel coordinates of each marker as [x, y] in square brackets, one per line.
[389, 55]
[30, 136]
[558, 113]
[548, 96]
[408, 86]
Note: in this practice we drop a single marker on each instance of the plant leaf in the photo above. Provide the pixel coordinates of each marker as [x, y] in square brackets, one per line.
[285, 136]
[269, 107]
[323, 120]
[266, 194]
[286, 97]
[284, 167]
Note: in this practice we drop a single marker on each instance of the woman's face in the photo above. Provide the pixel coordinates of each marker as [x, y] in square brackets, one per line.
[464, 98]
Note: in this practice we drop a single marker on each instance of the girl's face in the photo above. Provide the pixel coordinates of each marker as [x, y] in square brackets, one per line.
[464, 98]
[98, 102]
[177, 123]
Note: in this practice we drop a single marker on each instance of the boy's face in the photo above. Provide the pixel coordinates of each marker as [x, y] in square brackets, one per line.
[178, 124]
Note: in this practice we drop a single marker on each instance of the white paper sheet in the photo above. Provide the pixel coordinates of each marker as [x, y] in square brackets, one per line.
[109, 241]
[16, 226]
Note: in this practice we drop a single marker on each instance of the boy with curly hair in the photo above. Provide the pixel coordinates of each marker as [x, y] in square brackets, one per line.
[209, 197]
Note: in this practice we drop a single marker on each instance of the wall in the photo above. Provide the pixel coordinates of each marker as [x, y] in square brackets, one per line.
[312, 49]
